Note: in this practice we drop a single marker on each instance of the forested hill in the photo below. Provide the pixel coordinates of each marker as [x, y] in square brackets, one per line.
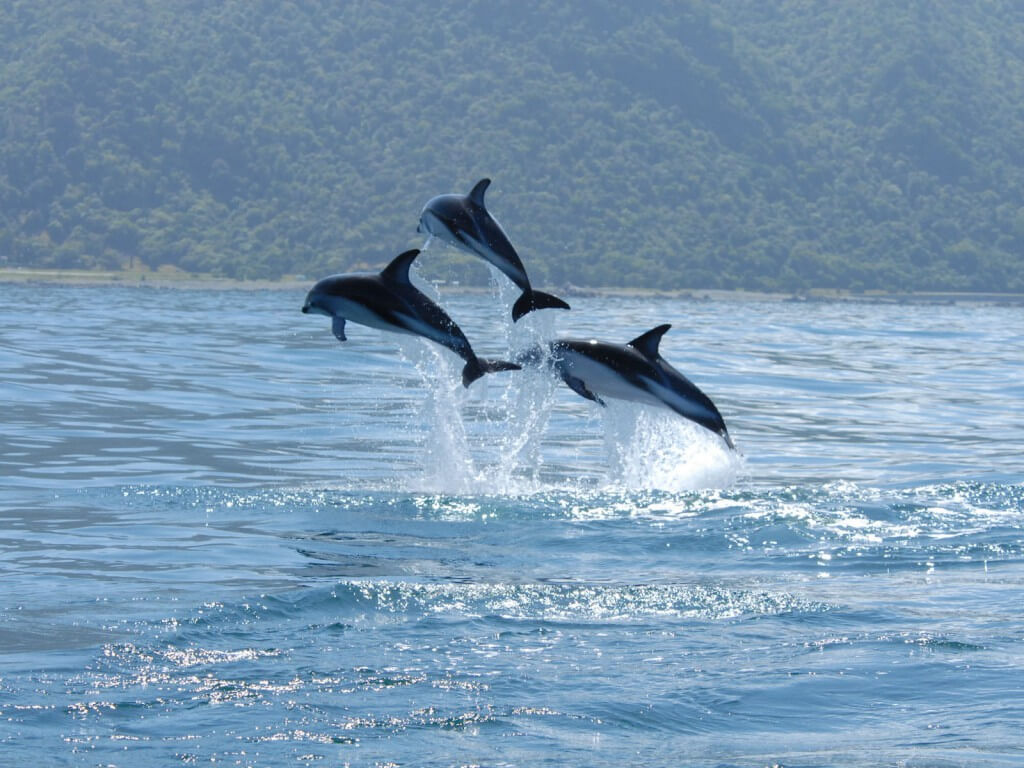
[655, 143]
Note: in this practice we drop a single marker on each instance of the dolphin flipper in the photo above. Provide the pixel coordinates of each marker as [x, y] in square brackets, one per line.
[577, 386]
[338, 328]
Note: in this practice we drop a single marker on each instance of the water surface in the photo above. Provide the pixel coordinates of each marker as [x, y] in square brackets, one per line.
[225, 537]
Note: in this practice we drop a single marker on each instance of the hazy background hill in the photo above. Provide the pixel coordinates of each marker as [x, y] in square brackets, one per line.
[739, 143]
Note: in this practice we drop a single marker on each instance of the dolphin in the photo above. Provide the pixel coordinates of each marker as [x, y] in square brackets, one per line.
[635, 371]
[463, 221]
[390, 302]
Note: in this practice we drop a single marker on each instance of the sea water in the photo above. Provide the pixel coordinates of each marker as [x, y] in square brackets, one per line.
[226, 538]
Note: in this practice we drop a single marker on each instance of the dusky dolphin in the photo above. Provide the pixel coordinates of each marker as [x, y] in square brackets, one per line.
[464, 221]
[635, 371]
[390, 302]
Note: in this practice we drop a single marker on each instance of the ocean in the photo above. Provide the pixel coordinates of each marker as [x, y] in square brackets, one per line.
[227, 538]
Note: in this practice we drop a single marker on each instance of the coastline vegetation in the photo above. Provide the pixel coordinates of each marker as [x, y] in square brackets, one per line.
[735, 145]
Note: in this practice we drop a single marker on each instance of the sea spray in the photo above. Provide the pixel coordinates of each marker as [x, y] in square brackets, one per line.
[489, 439]
[528, 398]
[649, 448]
[446, 463]
[475, 442]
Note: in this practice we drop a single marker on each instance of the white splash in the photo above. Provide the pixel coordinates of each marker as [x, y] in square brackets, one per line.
[489, 439]
[446, 461]
[653, 449]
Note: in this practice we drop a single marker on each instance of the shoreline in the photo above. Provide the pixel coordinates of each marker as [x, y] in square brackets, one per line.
[187, 281]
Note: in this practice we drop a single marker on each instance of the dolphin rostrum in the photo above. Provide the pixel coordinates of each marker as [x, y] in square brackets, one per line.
[635, 371]
[463, 221]
[390, 302]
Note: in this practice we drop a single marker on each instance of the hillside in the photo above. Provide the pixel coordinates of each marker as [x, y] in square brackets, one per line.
[735, 144]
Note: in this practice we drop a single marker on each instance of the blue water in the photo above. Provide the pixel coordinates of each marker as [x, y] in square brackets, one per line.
[225, 538]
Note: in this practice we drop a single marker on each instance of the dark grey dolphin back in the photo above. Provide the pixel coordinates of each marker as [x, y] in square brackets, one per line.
[397, 275]
[398, 270]
[476, 194]
[647, 343]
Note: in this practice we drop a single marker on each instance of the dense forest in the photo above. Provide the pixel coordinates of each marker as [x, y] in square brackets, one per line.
[657, 143]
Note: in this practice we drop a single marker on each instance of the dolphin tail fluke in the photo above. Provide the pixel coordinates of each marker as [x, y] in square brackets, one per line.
[531, 300]
[728, 439]
[474, 369]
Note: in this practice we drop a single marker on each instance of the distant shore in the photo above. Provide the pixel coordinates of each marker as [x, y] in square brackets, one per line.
[172, 278]
[187, 281]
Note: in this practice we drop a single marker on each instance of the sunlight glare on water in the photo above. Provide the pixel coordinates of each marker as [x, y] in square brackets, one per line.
[225, 537]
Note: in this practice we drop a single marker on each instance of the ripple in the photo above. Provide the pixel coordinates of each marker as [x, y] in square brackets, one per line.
[226, 546]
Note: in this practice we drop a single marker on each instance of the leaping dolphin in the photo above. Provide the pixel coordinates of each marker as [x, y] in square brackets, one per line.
[390, 302]
[463, 221]
[635, 371]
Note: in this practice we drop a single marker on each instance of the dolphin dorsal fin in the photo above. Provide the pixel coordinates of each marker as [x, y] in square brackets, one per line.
[477, 193]
[647, 343]
[398, 270]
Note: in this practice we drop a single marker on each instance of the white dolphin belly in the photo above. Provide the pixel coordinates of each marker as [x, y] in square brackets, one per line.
[437, 228]
[470, 243]
[363, 315]
[355, 312]
[602, 380]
